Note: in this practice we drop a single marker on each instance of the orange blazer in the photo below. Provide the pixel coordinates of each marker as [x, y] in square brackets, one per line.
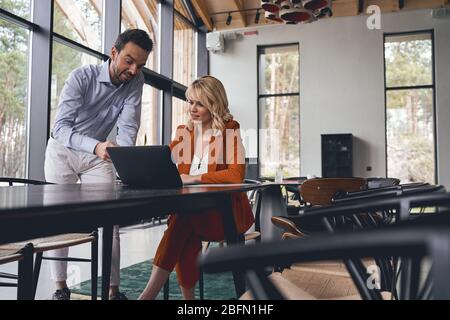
[226, 165]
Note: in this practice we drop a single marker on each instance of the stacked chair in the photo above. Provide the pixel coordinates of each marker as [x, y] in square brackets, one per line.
[349, 211]
[419, 250]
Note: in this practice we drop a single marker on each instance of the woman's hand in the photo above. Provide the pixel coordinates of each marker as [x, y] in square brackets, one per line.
[187, 179]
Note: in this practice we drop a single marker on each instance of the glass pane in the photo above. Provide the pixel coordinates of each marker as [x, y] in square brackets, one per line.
[79, 20]
[410, 135]
[147, 134]
[279, 136]
[13, 99]
[409, 60]
[142, 14]
[184, 69]
[180, 109]
[20, 8]
[279, 70]
[65, 60]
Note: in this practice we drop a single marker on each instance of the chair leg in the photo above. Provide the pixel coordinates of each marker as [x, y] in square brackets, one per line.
[166, 289]
[94, 266]
[36, 272]
[201, 286]
[25, 276]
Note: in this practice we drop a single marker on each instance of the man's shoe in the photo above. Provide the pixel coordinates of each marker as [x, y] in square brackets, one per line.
[61, 294]
[118, 296]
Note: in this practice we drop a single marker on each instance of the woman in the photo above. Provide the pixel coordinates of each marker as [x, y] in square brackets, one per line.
[207, 150]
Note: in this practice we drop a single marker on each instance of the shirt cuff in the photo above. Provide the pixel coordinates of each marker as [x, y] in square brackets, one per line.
[88, 145]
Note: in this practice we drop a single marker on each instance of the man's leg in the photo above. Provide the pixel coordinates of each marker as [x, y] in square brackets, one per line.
[58, 169]
[99, 171]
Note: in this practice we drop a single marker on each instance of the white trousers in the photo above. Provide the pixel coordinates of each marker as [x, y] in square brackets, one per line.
[67, 166]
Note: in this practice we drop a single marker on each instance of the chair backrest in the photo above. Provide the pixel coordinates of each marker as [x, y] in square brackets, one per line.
[373, 183]
[251, 168]
[322, 190]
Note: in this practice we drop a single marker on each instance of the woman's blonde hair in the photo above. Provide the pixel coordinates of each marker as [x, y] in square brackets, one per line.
[210, 92]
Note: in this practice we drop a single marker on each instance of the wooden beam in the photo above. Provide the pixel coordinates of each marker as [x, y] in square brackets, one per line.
[428, 4]
[129, 14]
[144, 13]
[385, 5]
[75, 17]
[202, 11]
[152, 6]
[343, 8]
[239, 6]
[98, 5]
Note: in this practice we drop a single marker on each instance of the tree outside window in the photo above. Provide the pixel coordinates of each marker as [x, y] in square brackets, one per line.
[279, 110]
[14, 42]
[410, 123]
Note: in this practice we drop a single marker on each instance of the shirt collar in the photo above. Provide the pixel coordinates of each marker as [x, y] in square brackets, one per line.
[104, 73]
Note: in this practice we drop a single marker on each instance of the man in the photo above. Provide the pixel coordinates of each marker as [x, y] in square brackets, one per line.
[94, 99]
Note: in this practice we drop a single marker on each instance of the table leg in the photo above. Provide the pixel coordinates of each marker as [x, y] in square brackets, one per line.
[272, 204]
[232, 237]
[106, 260]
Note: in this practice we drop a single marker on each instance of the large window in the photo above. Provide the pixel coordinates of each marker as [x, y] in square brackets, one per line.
[143, 14]
[184, 52]
[410, 127]
[65, 60]
[20, 8]
[279, 110]
[148, 132]
[79, 20]
[184, 67]
[180, 115]
[14, 45]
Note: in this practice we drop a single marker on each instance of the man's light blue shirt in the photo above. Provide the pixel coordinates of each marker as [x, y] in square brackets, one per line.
[90, 105]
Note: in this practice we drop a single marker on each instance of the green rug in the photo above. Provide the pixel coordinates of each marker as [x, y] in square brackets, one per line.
[134, 278]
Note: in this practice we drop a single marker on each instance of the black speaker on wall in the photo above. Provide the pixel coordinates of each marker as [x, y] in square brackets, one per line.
[337, 155]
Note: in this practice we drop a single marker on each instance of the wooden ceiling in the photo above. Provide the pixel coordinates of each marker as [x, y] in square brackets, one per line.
[206, 9]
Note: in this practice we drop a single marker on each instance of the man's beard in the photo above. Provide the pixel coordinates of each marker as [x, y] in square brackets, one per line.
[117, 75]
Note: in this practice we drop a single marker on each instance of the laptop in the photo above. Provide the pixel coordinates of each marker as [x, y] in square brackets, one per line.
[150, 166]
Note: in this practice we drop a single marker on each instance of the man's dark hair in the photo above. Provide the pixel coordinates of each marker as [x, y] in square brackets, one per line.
[137, 36]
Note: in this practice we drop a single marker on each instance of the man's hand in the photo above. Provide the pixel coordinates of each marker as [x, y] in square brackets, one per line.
[190, 179]
[100, 150]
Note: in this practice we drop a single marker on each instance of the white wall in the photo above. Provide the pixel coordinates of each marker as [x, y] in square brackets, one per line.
[341, 84]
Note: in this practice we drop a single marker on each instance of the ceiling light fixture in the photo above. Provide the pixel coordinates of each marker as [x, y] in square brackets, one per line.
[229, 18]
[296, 11]
[257, 16]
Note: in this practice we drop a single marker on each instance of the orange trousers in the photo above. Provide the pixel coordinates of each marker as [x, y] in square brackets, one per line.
[182, 243]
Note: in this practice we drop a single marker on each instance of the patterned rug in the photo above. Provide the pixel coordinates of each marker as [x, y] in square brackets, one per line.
[134, 278]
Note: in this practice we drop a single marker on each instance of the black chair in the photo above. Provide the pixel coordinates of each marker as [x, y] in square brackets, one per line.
[411, 242]
[368, 209]
[41, 245]
[23, 280]
[293, 192]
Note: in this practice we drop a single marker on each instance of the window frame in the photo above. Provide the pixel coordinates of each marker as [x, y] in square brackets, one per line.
[260, 49]
[42, 35]
[430, 32]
